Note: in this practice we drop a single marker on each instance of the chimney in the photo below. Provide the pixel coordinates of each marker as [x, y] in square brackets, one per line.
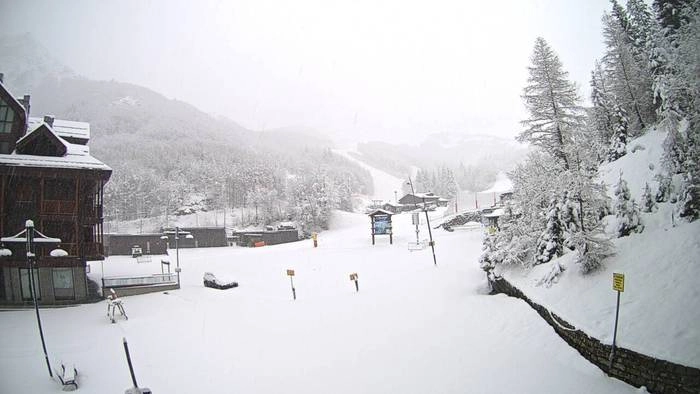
[48, 119]
[25, 102]
[2, 76]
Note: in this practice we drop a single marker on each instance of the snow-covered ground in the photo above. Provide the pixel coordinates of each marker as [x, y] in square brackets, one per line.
[660, 307]
[412, 328]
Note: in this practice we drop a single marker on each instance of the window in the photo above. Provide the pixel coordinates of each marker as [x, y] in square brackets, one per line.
[7, 117]
[24, 283]
[62, 278]
[63, 283]
[5, 147]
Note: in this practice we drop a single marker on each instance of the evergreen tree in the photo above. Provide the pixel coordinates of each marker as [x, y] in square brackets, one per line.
[550, 243]
[601, 114]
[552, 102]
[626, 210]
[630, 79]
[618, 145]
[592, 247]
[648, 203]
[569, 214]
[665, 186]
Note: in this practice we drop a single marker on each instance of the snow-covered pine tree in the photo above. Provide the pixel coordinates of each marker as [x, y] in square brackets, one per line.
[592, 247]
[601, 114]
[618, 144]
[626, 210]
[551, 241]
[552, 102]
[487, 260]
[663, 194]
[674, 154]
[648, 203]
[641, 25]
[690, 194]
[630, 80]
[569, 214]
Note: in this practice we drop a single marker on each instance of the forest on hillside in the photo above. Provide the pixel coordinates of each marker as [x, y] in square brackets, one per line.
[647, 80]
[169, 158]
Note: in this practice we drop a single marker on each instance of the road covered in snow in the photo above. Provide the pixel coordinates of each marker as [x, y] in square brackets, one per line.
[412, 328]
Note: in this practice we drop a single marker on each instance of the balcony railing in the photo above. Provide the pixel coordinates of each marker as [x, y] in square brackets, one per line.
[125, 281]
[59, 207]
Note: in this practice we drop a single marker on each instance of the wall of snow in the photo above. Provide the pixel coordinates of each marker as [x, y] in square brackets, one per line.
[658, 376]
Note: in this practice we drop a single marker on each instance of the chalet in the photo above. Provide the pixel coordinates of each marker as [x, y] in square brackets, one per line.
[418, 199]
[394, 207]
[48, 175]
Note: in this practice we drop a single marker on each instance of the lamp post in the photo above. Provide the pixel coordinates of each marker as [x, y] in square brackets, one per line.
[188, 235]
[32, 236]
[427, 219]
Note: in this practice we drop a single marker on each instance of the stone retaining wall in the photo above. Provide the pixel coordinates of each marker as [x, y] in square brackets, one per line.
[637, 369]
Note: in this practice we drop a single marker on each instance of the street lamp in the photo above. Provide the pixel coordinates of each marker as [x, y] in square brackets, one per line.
[188, 235]
[29, 236]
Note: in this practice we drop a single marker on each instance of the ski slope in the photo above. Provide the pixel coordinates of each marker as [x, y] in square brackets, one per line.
[412, 328]
[384, 184]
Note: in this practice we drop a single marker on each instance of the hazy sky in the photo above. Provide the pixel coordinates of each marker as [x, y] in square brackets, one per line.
[369, 69]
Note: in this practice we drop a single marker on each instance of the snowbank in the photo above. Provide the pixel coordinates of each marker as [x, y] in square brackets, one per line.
[660, 307]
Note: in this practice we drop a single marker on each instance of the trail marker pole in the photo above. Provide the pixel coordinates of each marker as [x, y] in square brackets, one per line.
[353, 277]
[619, 286]
[128, 360]
[290, 273]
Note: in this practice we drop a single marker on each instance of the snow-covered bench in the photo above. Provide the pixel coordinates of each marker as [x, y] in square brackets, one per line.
[68, 376]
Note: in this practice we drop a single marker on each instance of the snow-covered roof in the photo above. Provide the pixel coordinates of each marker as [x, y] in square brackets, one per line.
[496, 213]
[77, 156]
[63, 128]
[71, 161]
[380, 211]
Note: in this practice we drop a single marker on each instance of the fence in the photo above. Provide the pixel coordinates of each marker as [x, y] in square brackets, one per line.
[128, 281]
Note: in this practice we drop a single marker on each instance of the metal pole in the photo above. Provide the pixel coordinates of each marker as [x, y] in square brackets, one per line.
[294, 291]
[177, 255]
[430, 233]
[617, 313]
[32, 290]
[128, 360]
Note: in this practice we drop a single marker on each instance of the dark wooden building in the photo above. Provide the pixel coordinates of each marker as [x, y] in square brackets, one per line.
[122, 244]
[203, 237]
[48, 175]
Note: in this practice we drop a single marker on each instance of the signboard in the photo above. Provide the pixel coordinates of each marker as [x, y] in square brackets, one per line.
[382, 224]
[290, 272]
[619, 282]
[415, 218]
[353, 276]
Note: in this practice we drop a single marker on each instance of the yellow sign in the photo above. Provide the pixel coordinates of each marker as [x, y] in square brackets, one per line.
[290, 272]
[314, 236]
[353, 276]
[619, 282]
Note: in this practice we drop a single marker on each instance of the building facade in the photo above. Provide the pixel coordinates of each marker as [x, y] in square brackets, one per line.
[47, 175]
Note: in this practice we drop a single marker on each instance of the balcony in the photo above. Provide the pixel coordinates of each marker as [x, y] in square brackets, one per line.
[58, 207]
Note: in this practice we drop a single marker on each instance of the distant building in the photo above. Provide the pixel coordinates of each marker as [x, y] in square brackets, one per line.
[203, 237]
[122, 244]
[429, 199]
[48, 175]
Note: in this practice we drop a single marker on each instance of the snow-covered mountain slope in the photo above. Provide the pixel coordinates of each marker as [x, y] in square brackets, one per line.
[660, 307]
[384, 183]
